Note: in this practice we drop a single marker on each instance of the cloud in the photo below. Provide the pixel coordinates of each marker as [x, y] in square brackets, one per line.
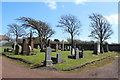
[113, 19]
[80, 1]
[51, 3]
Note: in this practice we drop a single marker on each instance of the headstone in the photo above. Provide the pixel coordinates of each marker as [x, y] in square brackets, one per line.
[106, 47]
[62, 45]
[82, 54]
[56, 49]
[97, 48]
[59, 46]
[73, 51]
[48, 61]
[5, 50]
[77, 53]
[59, 58]
[38, 46]
[25, 48]
[17, 49]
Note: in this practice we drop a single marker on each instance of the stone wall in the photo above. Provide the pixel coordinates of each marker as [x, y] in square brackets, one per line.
[112, 47]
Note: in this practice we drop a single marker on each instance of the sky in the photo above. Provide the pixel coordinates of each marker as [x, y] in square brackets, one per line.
[51, 11]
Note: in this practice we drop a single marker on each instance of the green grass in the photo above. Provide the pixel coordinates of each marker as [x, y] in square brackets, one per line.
[69, 63]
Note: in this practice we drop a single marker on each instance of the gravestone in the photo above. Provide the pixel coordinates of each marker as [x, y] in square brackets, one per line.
[59, 46]
[77, 53]
[48, 61]
[56, 49]
[73, 51]
[82, 54]
[38, 46]
[59, 58]
[25, 48]
[62, 45]
[17, 49]
[96, 48]
[106, 47]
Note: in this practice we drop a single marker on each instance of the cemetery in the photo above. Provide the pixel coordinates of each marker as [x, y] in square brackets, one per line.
[59, 58]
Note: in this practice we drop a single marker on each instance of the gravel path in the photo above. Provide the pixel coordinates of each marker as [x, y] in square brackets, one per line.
[11, 69]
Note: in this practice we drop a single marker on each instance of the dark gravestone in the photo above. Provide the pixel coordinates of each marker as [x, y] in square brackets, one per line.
[17, 49]
[48, 61]
[62, 45]
[106, 47]
[59, 58]
[82, 54]
[96, 48]
[5, 50]
[25, 47]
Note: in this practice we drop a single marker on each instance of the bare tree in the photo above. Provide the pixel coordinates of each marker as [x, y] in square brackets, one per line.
[16, 30]
[100, 29]
[43, 29]
[71, 25]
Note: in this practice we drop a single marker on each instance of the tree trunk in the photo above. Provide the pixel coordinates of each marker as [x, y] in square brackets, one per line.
[71, 43]
[16, 38]
[101, 46]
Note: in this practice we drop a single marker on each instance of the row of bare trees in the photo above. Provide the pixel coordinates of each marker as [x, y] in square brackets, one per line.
[100, 28]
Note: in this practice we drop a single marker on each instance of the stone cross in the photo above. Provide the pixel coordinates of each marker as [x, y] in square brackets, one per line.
[97, 48]
[62, 45]
[48, 61]
[59, 58]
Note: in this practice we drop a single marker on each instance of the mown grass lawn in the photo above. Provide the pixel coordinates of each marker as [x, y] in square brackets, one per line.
[69, 63]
